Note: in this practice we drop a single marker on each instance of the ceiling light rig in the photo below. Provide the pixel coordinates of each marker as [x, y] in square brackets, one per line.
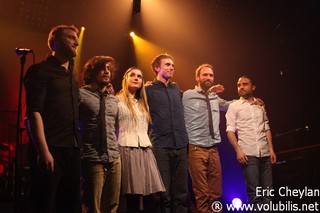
[136, 6]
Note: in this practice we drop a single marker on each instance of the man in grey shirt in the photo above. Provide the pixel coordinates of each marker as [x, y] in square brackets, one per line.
[98, 114]
[202, 116]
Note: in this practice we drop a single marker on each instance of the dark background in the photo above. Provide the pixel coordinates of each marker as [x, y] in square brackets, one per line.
[275, 41]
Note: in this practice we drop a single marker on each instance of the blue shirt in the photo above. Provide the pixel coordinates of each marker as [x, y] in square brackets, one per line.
[168, 128]
[196, 116]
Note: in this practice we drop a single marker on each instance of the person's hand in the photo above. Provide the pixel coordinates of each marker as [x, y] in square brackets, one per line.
[260, 101]
[242, 158]
[110, 89]
[216, 88]
[273, 157]
[46, 162]
[148, 83]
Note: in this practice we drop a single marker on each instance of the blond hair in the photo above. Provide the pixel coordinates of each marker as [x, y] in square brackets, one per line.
[198, 70]
[56, 33]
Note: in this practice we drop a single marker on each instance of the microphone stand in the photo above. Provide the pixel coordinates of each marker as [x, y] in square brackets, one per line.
[17, 167]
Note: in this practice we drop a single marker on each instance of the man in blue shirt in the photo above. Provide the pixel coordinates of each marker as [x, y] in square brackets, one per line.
[204, 134]
[168, 135]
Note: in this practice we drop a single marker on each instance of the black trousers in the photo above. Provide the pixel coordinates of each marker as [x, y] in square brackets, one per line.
[173, 167]
[58, 191]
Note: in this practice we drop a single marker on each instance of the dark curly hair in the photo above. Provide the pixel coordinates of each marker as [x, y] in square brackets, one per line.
[96, 64]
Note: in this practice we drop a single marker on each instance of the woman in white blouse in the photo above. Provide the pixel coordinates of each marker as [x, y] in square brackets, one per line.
[140, 174]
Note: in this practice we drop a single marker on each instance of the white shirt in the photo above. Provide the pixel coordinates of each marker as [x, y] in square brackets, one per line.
[250, 122]
[132, 133]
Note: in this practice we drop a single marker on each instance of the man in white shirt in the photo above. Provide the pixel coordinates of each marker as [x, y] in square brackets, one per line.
[253, 143]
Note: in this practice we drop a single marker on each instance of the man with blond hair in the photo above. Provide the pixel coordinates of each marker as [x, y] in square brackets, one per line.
[52, 109]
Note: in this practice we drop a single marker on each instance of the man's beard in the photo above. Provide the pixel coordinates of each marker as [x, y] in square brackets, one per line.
[69, 53]
[206, 85]
[245, 94]
[104, 83]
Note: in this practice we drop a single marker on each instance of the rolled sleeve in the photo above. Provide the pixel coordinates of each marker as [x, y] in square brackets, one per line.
[35, 86]
[231, 119]
[266, 120]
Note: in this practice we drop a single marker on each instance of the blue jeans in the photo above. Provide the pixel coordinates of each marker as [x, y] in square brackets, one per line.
[258, 173]
[173, 167]
[101, 186]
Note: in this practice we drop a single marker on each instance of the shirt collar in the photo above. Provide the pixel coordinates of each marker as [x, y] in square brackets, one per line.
[54, 61]
[57, 63]
[94, 88]
[242, 100]
[170, 83]
[199, 90]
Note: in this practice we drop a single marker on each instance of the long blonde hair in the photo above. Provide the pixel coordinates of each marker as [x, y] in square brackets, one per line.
[140, 95]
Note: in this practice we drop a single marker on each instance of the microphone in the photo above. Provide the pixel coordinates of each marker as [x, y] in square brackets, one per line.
[23, 51]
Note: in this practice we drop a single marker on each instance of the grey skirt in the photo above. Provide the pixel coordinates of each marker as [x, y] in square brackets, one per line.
[140, 173]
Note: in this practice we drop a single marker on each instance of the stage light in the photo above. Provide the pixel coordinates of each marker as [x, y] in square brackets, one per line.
[132, 34]
[237, 203]
[77, 59]
[144, 53]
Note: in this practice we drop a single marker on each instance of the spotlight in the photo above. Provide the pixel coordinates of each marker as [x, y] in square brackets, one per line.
[132, 34]
[237, 203]
[136, 6]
